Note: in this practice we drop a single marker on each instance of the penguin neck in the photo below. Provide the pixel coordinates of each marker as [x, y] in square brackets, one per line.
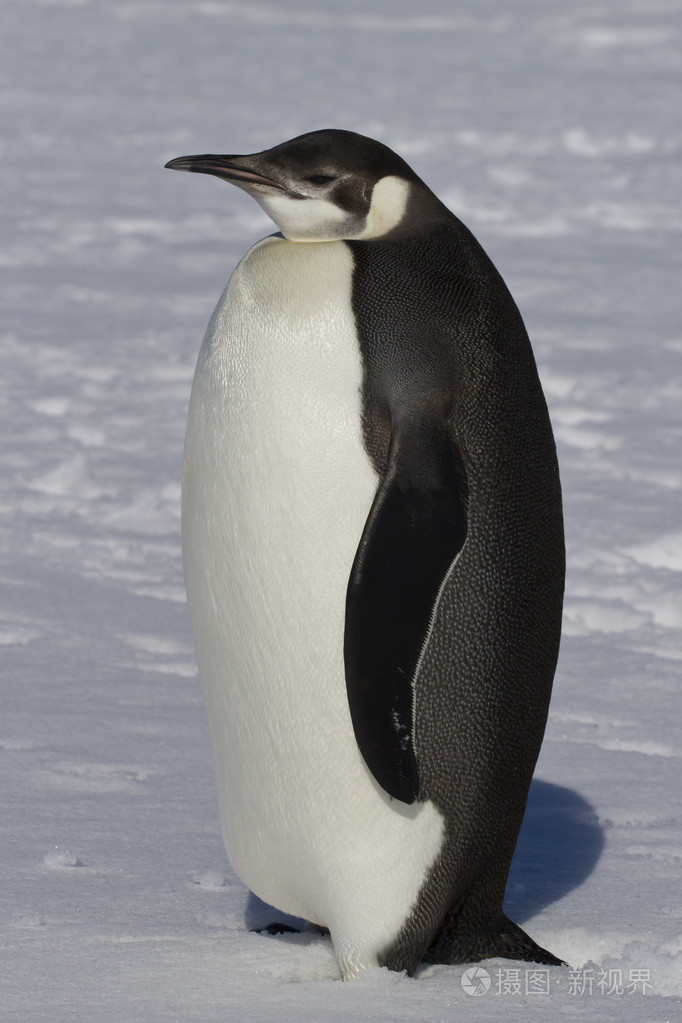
[402, 208]
[424, 213]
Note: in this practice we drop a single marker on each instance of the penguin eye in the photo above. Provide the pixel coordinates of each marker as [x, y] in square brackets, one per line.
[320, 179]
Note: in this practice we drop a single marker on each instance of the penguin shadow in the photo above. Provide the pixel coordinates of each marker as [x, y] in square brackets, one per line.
[559, 845]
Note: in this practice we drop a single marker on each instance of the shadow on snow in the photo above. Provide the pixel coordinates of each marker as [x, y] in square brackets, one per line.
[559, 845]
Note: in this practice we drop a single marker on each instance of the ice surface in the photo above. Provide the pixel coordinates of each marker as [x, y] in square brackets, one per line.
[553, 130]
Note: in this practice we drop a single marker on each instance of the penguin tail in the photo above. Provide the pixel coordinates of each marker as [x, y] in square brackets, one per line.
[506, 940]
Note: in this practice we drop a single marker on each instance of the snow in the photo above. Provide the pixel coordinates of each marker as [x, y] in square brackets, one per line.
[553, 130]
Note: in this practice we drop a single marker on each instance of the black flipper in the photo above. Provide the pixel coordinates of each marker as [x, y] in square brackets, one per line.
[415, 530]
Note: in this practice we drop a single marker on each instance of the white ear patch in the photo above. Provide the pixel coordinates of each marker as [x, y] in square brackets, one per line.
[389, 200]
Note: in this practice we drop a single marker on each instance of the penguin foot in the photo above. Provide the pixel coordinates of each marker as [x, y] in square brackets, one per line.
[507, 942]
[275, 928]
[279, 928]
[317, 929]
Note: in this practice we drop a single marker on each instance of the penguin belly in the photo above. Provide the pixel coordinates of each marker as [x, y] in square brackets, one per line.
[277, 487]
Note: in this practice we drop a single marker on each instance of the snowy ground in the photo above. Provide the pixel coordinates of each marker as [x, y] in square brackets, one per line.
[553, 130]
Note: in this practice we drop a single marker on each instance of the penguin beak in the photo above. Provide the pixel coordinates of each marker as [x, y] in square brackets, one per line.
[226, 167]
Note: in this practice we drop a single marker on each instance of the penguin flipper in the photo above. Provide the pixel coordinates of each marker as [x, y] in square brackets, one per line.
[416, 528]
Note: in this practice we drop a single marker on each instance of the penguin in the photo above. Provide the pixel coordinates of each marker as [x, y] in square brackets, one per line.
[373, 550]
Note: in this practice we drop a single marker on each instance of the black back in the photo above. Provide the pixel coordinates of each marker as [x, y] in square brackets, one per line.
[456, 668]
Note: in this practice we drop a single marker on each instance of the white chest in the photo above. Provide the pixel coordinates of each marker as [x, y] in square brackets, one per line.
[276, 483]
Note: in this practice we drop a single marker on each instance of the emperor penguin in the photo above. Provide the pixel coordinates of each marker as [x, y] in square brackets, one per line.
[373, 552]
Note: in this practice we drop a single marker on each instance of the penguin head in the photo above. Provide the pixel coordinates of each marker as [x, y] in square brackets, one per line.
[322, 186]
